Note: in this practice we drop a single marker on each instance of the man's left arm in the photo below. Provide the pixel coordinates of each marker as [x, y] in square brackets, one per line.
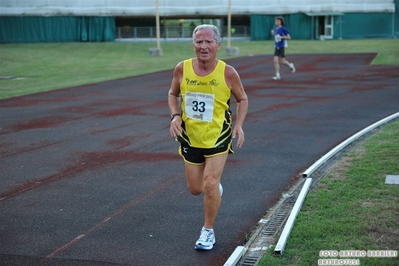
[237, 89]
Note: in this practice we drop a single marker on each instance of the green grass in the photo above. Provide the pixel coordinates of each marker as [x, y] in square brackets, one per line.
[48, 66]
[351, 209]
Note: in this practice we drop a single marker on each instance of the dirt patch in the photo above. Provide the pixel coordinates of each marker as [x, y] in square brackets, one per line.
[346, 162]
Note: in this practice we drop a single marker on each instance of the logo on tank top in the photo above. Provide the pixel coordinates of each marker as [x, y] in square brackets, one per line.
[194, 82]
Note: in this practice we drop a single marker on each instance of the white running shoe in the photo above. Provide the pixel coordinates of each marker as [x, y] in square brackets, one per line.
[276, 77]
[206, 239]
[220, 189]
[292, 67]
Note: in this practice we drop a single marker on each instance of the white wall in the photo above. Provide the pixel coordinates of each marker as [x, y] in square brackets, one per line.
[186, 7]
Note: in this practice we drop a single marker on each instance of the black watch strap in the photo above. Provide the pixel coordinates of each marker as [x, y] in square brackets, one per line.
[173, 116]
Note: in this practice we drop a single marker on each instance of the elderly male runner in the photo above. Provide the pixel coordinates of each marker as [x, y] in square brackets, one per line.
[201, 120]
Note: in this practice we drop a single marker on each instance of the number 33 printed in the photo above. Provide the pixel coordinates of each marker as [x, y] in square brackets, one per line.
[198, 106]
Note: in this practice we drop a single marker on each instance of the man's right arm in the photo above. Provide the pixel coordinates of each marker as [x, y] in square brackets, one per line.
[173, 100]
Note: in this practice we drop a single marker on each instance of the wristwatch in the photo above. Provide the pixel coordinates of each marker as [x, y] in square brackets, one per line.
[173, 116]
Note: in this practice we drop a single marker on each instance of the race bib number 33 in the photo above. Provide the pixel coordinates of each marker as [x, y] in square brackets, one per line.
[199, 106]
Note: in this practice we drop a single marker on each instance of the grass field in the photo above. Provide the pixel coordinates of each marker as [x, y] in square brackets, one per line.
[350, 209]
[48, 66]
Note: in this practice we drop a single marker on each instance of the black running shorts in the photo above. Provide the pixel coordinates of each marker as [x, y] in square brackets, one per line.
[280, 52]
[197, 155]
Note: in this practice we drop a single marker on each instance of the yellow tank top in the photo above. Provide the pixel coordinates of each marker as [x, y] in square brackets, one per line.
[205, 107]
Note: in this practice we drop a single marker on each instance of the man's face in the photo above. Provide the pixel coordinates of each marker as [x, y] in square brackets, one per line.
[205, 45]
[277, 22]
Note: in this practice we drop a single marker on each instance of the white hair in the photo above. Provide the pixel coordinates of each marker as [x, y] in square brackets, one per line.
[208, 26]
